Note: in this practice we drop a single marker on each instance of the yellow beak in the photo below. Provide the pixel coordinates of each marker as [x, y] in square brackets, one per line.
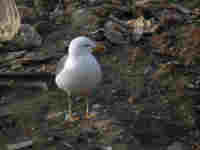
[99, 48]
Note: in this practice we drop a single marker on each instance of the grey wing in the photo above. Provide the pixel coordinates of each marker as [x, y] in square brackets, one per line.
[60, 64]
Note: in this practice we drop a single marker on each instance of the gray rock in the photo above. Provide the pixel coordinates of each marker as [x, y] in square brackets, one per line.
[96, 106]
[178, 146]
[28, 37]
[84, 19]
[114, 36]
[58, 40]
[92, 2]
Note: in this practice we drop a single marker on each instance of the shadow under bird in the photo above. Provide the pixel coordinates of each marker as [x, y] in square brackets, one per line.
[78, 73]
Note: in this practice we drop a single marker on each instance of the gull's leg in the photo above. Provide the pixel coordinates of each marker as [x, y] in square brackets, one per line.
[69, 116]
[87, 114]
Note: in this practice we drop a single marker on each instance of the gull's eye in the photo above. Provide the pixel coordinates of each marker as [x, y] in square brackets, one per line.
[87, 45]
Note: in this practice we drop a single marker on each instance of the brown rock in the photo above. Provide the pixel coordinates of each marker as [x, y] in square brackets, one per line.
[26, 12]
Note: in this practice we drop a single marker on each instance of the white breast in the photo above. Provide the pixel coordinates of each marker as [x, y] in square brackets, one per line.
[80, 73]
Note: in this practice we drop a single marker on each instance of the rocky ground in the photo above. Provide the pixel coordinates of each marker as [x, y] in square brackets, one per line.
[149, 96]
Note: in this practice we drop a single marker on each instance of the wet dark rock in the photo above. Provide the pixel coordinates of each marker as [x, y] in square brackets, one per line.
[96, 106]
[41, 114]
[84, 20]
[87, 133]
[57, 12]
[113, 35]
[8, 127]
[169, 17]
[178, 146]
[93, 2]
[20, 144]
[99, 147]
[3, 100]
[123, 146]
[28, 37]
[45, 28]
[14, 55]
[37, 57]
[57, 40]
[155, 131]
[123, 114]
[44, 7]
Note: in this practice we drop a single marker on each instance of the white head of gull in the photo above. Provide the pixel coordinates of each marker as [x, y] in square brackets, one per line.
[78, 72]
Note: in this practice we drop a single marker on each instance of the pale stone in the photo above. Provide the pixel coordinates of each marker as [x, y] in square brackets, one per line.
[9, 20]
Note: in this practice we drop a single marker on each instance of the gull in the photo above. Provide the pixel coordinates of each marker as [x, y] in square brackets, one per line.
[78, 72]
